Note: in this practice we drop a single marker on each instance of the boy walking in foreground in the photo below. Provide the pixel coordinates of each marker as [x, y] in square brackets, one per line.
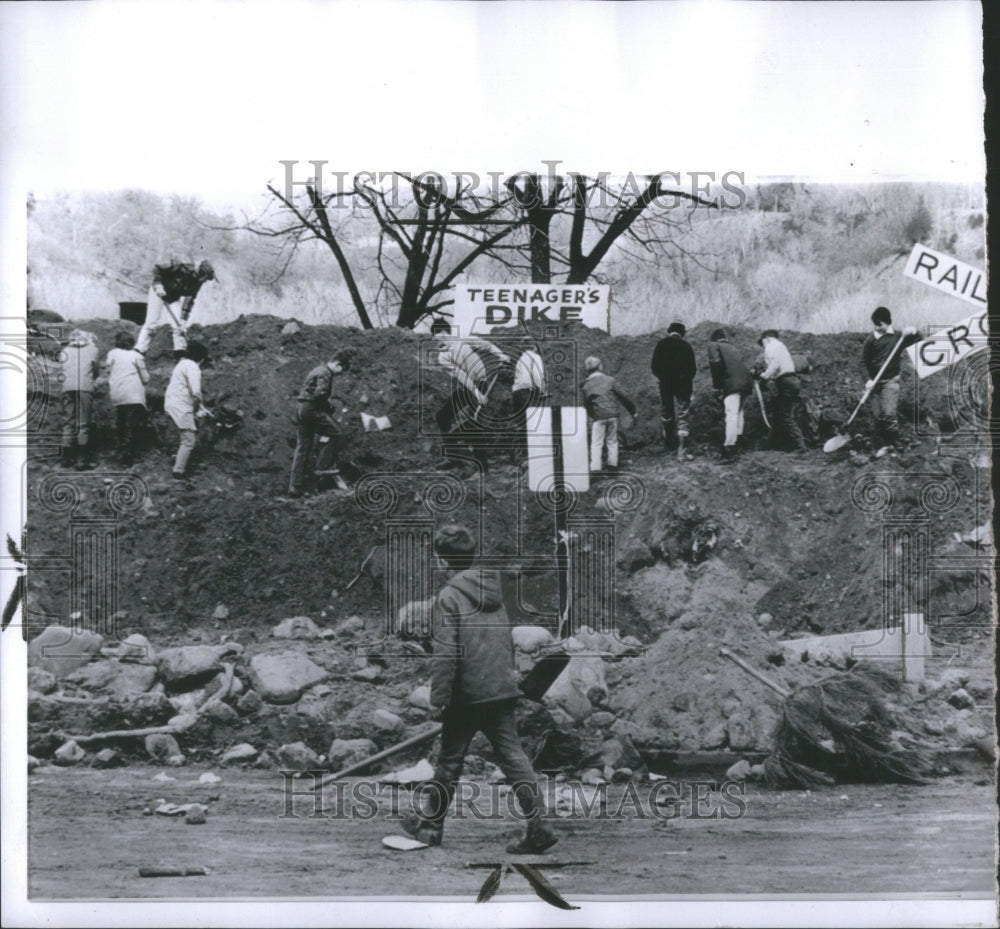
[474, 689]
[600, 396]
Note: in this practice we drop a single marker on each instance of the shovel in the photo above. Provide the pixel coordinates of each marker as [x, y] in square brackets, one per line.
[760, 400]
[841, 438]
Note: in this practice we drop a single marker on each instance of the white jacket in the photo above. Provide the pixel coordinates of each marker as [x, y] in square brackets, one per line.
[127, 376]
[183, 394]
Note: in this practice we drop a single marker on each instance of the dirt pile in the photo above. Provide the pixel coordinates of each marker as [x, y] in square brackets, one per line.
[707, 555]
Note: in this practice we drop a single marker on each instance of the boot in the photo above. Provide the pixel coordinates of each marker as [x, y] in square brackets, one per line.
[422, 830]
[67, 456]
[537, 839]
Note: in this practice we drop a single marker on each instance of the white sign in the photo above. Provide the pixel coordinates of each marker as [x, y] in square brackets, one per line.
[947, 346]
[573, 468]
[947, 274]
[480, 307]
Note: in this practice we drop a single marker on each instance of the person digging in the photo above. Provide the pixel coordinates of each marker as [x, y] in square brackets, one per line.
[474, 689]
[882, 349]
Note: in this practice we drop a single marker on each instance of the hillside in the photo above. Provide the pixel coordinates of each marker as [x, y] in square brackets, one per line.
[796, 538]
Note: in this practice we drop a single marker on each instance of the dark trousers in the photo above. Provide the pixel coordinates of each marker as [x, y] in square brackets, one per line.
[456, 422]
[309, 423]
[785, 429]
[129, 418]
[521, 399]
[675, 410]
[497, 722]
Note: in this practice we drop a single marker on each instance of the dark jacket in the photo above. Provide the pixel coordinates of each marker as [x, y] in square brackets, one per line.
[599, 393]
[178, 279]
[473, 653]
[729, 373]
[875, 351]
[673, 364]
[316, 388]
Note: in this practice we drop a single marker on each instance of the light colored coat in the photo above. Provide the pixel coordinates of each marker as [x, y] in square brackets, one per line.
[183, 394]
[127, 376]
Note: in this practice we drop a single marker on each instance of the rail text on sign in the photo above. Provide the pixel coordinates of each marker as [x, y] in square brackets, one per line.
[479, 307]
[945, 347]
[947, 274]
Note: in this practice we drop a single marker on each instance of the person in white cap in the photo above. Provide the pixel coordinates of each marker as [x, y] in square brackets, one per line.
[601, 396]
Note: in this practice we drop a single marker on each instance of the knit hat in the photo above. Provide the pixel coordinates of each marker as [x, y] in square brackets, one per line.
[206, 272]
[882, 315]
[592, 363]
[767, 334]
[718, 335]
[679, 328]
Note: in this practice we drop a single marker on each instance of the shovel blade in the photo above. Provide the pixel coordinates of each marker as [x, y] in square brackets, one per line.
[838, 441]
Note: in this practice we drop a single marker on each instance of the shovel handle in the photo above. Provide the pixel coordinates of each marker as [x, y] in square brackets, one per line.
[424, 736]
[763, 678]
[875, 380]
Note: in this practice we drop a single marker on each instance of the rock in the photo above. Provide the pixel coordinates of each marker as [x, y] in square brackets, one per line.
[386, 721]
[221, 612]
[344, 752]
[717, 737]
[601, 719]
[730, 705]
[579, 687]
[961, 699]
[161, 745]
[758, 772]
[291, 328]
[183, 721]
[370, 674]
[188, 702]
[59, 650]
[637, 555]
[592, 776]
[222, 713]
[422, 771]
[282, 678]
[529, 639]
[739, 771]
[619, 752]
[622, 776]
[351, 625]
[44, 682]
[176, 761]
[298, 757]
[242, 752]
[195, 815]
[414, 619]
[69, 753]
[136, 647]
[187, 666]
[250, 703]
[132, 679]
[765, 619]
[296, 627]
[107, 758]
[420, 697]
[148, 709]
[741, 732]
[32, 763]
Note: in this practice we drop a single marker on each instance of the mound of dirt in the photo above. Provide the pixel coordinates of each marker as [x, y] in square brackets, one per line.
[711, 550]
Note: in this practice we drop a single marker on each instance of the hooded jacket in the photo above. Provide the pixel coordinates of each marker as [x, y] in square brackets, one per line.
[729, 373]
[473, 652]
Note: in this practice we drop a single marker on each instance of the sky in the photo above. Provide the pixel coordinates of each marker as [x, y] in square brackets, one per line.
[206, 98]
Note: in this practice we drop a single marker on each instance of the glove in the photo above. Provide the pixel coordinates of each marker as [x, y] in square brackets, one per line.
[869, 385]
[910, 330]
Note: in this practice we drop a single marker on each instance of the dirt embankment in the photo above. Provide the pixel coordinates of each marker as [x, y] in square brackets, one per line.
[711, 555]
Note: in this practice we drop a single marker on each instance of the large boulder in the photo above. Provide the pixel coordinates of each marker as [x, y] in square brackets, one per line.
[59, 650]
[282, 678]
[43, 682]
[414, 619]
[579, 687]
[298, 757]
[529, 639]
[187, 666]
[344, 752]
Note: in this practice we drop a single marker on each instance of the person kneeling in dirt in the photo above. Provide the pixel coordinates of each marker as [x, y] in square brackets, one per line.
[314, 417]
[732, 382]
[474, 689]
[877, 349]
[183, 402]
